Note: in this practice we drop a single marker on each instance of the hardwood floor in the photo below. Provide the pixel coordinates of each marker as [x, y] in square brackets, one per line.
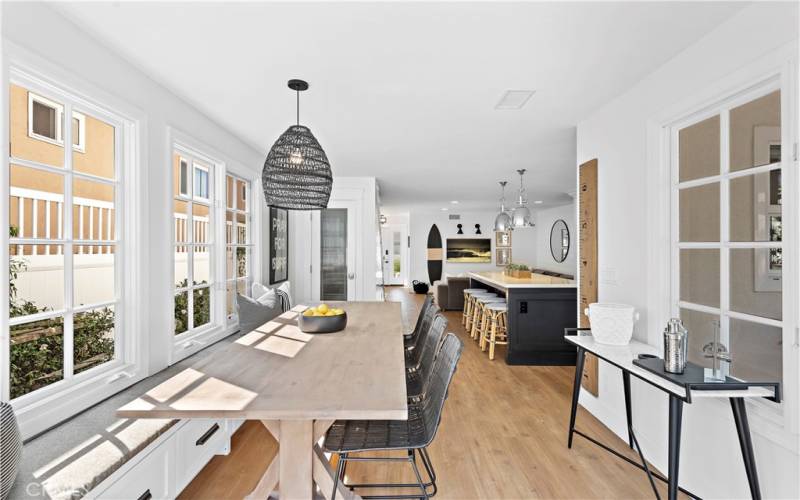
[503, 435]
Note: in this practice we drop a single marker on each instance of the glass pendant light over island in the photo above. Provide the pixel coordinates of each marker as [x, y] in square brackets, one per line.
[503, 221]
[521, 215]
[297, 174]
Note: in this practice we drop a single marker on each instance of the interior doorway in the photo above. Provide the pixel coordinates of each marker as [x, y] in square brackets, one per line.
[394, 254]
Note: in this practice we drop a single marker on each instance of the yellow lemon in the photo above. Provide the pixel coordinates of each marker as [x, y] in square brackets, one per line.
[338, 312]
[323, 308]
[308, 312]
[330, 313]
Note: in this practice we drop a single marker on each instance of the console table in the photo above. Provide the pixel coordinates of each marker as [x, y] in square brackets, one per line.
[622, 357]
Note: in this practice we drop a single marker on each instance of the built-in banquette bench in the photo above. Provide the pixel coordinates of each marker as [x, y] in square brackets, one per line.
[99, 456]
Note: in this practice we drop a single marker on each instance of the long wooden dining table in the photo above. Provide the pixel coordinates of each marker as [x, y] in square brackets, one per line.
[296, 384]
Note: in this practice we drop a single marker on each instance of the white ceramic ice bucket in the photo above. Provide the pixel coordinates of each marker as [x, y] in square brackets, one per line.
[612, 323]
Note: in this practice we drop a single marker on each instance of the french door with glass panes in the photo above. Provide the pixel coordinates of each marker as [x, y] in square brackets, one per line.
[728, 167]
[65, 240]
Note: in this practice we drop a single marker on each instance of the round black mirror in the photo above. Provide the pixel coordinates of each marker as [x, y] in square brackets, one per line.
[559, 240]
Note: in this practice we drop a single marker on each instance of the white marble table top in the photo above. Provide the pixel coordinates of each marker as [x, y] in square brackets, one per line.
[623, 356]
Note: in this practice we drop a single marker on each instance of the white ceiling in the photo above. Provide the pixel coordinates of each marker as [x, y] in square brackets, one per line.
[406, 92]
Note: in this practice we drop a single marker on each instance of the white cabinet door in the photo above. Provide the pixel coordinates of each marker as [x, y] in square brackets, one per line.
[148, 479]
[196, 443]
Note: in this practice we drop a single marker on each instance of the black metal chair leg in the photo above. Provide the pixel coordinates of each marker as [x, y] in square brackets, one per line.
[426, 461]
[423, 489]
[339, 474]
[576, 391]
[743, 430]
[626, 385]
[675, 416]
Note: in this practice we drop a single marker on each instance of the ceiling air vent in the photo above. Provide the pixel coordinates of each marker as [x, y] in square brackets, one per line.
[455, 217]
[514, 99]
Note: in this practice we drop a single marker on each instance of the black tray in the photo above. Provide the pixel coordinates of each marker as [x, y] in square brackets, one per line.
[693, 376]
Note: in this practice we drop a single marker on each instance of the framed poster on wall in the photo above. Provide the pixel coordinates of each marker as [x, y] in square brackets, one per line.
[278, 245]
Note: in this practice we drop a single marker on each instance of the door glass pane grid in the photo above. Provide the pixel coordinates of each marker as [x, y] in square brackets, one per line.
[722, 283]
[47, 198]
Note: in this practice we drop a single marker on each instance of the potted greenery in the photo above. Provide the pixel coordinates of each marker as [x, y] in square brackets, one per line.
[517, 271]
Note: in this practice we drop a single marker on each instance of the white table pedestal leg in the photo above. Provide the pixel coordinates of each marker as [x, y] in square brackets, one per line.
[295, 447]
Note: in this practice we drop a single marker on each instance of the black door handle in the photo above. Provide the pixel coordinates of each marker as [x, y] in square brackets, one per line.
[146, 495]
[205, 437]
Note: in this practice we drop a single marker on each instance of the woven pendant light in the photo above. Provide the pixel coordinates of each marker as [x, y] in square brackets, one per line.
[297, 174]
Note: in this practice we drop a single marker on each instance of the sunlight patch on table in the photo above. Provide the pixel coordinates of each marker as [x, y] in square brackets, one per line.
[281, 346]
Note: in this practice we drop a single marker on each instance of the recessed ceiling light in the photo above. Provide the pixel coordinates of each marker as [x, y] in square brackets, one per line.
[514, 99]
[454, 202]
[538, 202]
[445, 209]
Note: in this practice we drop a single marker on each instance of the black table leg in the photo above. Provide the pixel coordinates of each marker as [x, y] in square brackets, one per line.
[675, 415]
[626, 384]
[743, 429]
[576, 391]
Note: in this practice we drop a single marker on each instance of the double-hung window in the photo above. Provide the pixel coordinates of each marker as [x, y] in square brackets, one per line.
[194, 243]
[238, 241]
[65, 241]
[729, 227]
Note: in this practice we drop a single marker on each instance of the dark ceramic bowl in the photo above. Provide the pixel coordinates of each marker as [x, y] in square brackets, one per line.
[322, 324]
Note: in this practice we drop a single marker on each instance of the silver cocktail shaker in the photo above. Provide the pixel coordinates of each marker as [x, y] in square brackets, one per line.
[676, 343]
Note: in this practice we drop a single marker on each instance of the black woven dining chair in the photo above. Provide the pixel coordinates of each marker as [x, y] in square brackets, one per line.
[413, 435]
[413, 355]
[419, 367]
[426, 314]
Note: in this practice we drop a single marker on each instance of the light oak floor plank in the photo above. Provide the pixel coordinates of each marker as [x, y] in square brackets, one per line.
[503, 435]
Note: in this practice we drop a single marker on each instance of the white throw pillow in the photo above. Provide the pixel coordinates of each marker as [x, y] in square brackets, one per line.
[284, 287]
[257, 290]
[268, 299]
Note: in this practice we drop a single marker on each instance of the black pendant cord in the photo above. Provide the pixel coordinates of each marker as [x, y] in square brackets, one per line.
[298, 106]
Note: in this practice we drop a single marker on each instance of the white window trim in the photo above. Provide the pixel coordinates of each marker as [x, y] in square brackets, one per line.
[50, 405]
[60, 124]
[780, 66]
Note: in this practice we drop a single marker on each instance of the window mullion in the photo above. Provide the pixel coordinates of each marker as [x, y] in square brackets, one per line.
[724, 221]
[68, 336]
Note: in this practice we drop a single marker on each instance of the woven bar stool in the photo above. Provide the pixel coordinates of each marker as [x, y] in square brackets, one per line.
[497, 332]
[472, 298]
[479, 322]
[467, 294]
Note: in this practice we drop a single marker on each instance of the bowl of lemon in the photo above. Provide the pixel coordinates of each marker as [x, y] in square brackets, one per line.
[322, 319]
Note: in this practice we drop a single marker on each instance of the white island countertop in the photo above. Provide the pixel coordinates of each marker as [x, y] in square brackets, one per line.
[498, 279]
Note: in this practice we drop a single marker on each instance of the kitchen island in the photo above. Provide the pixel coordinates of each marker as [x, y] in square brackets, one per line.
[539, 308]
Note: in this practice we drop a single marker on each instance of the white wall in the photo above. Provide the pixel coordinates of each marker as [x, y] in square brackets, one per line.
[71, 49]
[616, 134]
[544, 220]
[523, 241]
